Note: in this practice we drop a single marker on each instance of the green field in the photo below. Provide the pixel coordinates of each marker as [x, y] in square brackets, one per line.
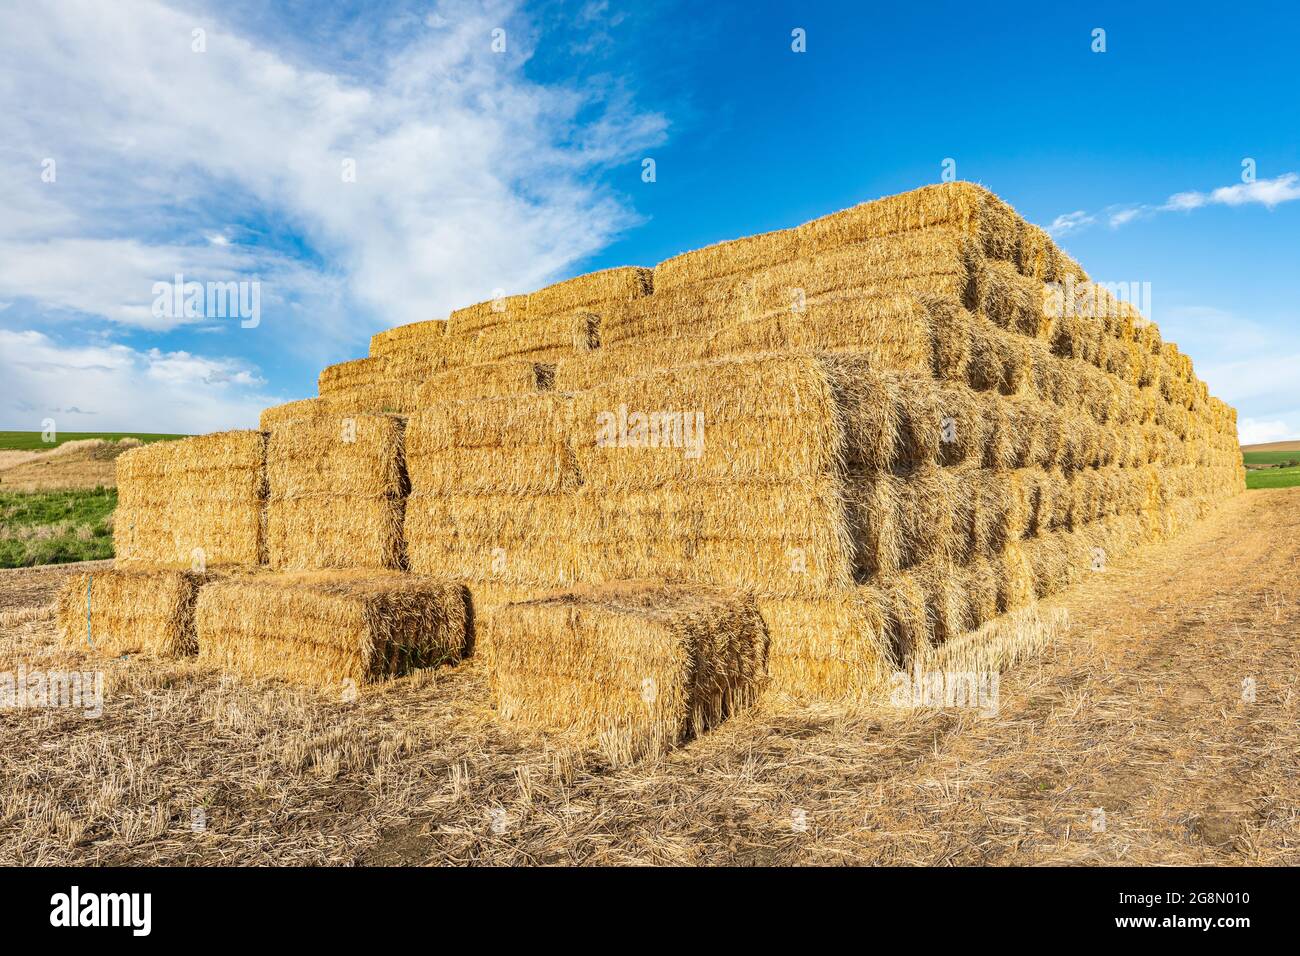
[31, 441]
[1272, 477]
[55, 527]
[1269, 457]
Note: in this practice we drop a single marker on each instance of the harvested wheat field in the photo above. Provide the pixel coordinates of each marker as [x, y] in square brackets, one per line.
[1135, 708]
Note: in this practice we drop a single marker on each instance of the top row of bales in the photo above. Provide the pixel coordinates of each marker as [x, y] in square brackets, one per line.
[681, 299]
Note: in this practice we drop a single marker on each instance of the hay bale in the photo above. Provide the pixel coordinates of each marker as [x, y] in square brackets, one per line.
[633, 669]
[770, 417]
[336, 488]
[517, 540]
[306, 409]
[353, 374]
[738, 257]
[592, 292]
[325, 628]
[988, 226]
[487, 380]
[831, 648]
[892, 331]
[629, 360]
[417, 335]
[116, 612]
[198, 502]
[788, 538]
[690, 312]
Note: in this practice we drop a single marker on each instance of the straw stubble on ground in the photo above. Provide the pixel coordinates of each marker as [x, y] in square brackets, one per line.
[1137, 710]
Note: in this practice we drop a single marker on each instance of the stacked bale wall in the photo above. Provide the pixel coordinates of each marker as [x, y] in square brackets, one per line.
[918, 414]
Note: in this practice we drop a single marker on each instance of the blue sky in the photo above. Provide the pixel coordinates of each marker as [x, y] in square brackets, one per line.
[478, 170]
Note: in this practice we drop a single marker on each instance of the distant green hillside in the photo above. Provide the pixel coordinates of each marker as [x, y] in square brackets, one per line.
[1272, 477]
[31, 441]
[1269, 457]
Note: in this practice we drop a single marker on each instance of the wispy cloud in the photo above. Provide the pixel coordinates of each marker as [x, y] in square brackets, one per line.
[1070, 222]
[450, 176]
[384, 171]
[1264, 192]
[1269, 193]
[1251, 431]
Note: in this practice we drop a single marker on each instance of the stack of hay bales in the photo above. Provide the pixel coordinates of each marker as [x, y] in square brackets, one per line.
[917, 415]
[633, 669]
[337, 488]
[198, 502]
[491, 499]
[325, 628]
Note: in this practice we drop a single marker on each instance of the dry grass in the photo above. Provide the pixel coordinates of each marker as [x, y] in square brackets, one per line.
[87, 463]
[1136, 709]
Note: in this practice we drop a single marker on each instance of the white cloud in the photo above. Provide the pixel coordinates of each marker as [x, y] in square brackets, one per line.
[1251, 431]
[116, 388]
[1124, 215]
[1069, 222]
[469, 176]
[1264, 192]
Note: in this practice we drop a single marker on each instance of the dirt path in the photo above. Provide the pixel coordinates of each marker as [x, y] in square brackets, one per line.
[1162, 727]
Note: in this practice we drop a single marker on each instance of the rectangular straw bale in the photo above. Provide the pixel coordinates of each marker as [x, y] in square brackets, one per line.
[116, 612]
[507, 539]
[425, 335]
[518, 444]
[487, 380]
[769, 417]
[884, 266]
[335, 531]
[336, 486]
[893, 331]
[690, 312]
[1015, 578]
[546, 340]
[593, 291]
[738, 257]
[413, 365]
[195, 502]
[775, 538]
[831, 648]
[1009, 299]
[503, 311]
[633, 669]
[351, 374]
[630, 360]
[947, 591]
[990, 226]
[304, 409]
[326, 628]
[908, 628]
